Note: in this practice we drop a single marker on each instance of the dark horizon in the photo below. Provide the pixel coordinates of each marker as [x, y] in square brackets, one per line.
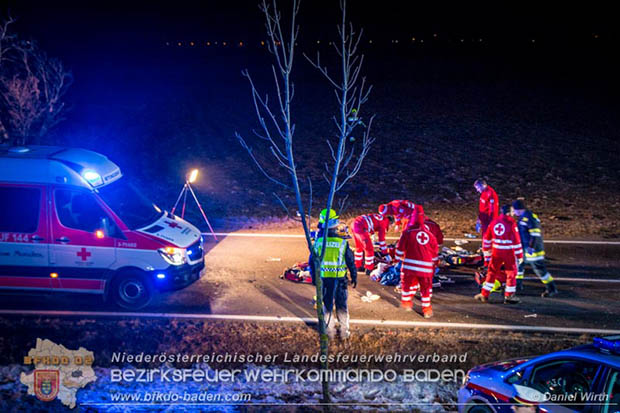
[139, 24]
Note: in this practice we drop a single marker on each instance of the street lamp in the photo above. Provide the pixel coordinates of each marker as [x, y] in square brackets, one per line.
[191, 177]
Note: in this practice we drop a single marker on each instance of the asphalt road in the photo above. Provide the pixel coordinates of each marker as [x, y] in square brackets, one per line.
[242, 278]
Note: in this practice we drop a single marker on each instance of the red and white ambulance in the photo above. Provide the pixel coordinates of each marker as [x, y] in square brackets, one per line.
[69, 222]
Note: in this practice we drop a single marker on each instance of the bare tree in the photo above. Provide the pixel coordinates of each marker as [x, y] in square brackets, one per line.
[32, 86]
[6, 46]
[351, 93]
[277, 129]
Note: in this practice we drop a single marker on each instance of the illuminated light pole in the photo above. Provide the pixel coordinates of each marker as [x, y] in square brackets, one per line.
[190, 178]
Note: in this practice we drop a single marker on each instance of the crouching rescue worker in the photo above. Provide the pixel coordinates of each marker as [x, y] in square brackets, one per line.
[401, 209]
[501, 246]
[362, 228]
[333, 272]
[417, 249]
[532, 239]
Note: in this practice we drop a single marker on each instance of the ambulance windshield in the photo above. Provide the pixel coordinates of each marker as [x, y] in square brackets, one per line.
[133, 208]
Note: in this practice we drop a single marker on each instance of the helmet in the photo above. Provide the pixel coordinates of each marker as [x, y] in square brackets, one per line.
[332, 219]
[383, 209]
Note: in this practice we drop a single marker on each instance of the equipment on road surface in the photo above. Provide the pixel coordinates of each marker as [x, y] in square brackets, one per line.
[298, 273]
[70, 222]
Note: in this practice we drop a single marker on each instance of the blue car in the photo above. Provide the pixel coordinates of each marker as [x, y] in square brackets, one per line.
[584, 379]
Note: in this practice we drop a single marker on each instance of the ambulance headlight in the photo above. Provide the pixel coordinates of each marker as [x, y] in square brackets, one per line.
[173, 256]
[92, 177]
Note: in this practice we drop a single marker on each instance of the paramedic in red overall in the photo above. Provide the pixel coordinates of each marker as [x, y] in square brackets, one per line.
[417, 249]
[488, 207]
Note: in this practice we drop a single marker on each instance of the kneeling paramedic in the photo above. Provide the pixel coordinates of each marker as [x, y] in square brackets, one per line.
[338, 258]
[362, 228]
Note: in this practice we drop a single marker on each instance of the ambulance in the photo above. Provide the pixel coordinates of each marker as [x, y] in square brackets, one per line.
[70, 222]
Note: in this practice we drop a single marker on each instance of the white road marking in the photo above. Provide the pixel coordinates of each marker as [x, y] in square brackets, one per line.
[263, 235]
[309, 320]
[561, 279]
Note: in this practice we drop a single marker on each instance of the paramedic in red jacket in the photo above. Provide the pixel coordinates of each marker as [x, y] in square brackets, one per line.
[501, 246]
[417, 249]
[362, 228]
[434, 229]
[400, 209]
[488, 207]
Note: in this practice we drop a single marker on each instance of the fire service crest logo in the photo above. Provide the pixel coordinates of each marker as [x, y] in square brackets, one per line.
[46, 384]
[58, 372]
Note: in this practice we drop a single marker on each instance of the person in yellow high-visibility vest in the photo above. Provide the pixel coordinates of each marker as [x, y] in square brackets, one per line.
[333, 272]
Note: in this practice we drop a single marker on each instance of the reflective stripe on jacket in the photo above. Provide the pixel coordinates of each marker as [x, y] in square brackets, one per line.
[531, 235]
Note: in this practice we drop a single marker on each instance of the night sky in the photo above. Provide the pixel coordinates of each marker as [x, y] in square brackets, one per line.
[134, 83]
[76, 28]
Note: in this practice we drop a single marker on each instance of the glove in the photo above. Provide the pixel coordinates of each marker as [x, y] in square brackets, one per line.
[530, 250]
[354, 283]
[478, 226]
[520, 261]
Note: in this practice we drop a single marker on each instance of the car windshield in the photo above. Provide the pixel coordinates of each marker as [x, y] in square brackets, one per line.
[133, 208]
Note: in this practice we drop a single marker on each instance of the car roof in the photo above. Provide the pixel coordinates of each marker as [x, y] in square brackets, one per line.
[587, 351]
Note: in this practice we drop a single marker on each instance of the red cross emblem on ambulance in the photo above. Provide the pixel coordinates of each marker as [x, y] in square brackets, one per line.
[173, 224]
[422, 238]
[83, 254]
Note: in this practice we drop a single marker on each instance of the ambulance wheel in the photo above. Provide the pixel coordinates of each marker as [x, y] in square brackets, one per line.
[131, 290]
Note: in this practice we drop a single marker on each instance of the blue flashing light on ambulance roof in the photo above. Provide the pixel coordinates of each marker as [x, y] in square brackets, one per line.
[92, 177]
[67, 209]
